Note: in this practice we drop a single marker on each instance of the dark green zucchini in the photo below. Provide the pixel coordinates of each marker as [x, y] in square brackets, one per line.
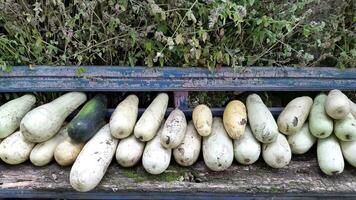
[89, 119]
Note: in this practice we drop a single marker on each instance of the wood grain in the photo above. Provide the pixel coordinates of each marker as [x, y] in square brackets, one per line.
[119, 78]
[302, 175]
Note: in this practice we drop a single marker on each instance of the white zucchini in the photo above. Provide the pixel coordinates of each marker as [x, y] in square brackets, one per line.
[349, 152]
[156, 158]
[247, 148]
[202, 119]
[129, 151]
[293, 116]
[174, 129]
[93, 161]
[187, 153]
[67, 151]
[150, 121]
[15, 149]
[235, 119]
[43, 122]
[301, 141]
[345, 129]
[12, 112]
[262, 123]
[330, 157]
[320, 124]
[337, 104]
[277, 154]
[42, 153]
[353, 108]
[218, 150]
[123, 119]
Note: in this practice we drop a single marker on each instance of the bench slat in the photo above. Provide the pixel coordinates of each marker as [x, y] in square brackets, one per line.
[114, 78]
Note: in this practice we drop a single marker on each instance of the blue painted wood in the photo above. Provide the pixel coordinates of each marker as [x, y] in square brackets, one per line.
[181, 99]
[114, 78]
[178, 80]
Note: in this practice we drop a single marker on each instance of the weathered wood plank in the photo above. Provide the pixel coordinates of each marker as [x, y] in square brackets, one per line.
[107, 78]
[301, 176]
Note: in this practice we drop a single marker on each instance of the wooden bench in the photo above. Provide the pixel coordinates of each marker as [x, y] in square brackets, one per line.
[302, 177]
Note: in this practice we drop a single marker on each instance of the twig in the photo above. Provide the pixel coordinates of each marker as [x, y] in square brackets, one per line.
[179, 25]
[285, 35]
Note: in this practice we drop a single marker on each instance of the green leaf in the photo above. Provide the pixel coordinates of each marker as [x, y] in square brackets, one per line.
[81, 70]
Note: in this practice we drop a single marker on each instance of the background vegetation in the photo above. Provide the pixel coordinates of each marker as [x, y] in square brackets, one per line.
[209, 33]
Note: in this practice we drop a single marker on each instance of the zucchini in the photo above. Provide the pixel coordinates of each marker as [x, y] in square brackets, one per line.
[89, 119]
[43, 122]
[320, 124]
[12, 112]
[123, 119]
[293, 116]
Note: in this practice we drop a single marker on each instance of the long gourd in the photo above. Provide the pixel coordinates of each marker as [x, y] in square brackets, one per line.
[353, 108]
[301, 141]
[187, 153]
[42, 153]
[43, 122]
[67, 151]
[218, 151]
[150, 121]
[174, 129]
[123, 119]
[345, 129]
[329, 155]
[262, 123]
[247, 148]
[293, 116]
[202, 119]
[156, 158]
[129, 151]
[349, 152]
[93, 161]
[89, 119]
[337, 105]
[320, 124]
[235, 119]
[15, 149]
[12, 112]
[278, 153]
